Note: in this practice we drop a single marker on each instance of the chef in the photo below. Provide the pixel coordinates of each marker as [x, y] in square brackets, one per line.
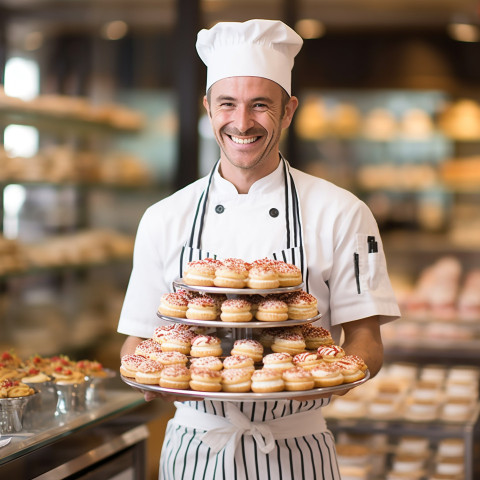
[252, 205]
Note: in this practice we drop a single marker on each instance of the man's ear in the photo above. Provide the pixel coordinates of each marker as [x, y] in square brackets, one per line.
[290, 108]
[206, 105]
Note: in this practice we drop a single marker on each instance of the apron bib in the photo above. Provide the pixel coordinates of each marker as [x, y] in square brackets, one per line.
[293, 251]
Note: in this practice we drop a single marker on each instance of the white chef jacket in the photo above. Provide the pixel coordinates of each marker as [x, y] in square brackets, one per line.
[348, 282]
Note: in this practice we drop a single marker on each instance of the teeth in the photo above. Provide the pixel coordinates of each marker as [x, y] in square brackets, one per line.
[243, 141]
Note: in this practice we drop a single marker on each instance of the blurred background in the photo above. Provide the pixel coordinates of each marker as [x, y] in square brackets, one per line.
[101, 116]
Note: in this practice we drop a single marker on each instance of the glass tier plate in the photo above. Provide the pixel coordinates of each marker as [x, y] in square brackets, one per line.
[178, 283]
[248, 396]
[250, 324]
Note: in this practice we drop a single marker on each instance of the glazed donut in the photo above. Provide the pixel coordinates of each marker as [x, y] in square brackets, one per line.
[236, 310]
[350, 370]
[267, 380]
[270, 310]
[148, 372]
[129, 365]
[249, 347]
[356, 359]
[292, 343]
[176, 341]
[327, 375]
[289, 275]
[316, 337]
[262, 276]
[296, 378]
[233, 273]
[278, 361]
[200, 272]
[175, 376]
[239, 361]
[236, 380]
[203, 379]
[301, 305]
[206, 346]
[307, 360]
[173, 305]
[330, 353]
[168, 359]
[148, 348]
[202, 308]
[212, 363]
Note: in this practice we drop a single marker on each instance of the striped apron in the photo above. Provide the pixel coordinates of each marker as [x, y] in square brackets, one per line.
[269, 440]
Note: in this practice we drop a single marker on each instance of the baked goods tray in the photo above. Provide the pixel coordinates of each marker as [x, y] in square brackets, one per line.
[248, 396]
[250, 324]
[178, 283]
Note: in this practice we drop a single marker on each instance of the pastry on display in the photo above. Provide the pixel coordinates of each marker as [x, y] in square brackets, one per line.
[236, 310]
[168, 359]
[175, 376]
[205, 380]
[176, 341]
[148, 372]
[297, 378]
[129, 365]
[237, 380]
[209, 362]
[248, 347]
[271, 310]
[292, 343]
[67, 376]
[307, 360]
[149, 348]
[330, 353]
[239, 361]
[278, 361]
[173, 305]
[267, 381]
[327, 375]
[202, 307]
[14, 389]
[200, 273]
[206, 346]
[301, 305]
[263, 276]
[232, 273]
[316, 337]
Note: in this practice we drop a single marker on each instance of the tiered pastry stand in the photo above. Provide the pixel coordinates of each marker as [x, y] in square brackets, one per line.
[236, 331]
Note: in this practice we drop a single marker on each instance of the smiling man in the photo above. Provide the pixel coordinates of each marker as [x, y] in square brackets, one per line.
[254, 205]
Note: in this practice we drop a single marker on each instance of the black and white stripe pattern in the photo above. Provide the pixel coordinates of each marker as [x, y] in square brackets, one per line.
[185, 457]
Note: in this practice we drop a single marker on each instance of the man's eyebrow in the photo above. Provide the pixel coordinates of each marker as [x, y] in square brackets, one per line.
[228, 98]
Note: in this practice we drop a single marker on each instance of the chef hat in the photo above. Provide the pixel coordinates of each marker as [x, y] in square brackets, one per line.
[256, 48]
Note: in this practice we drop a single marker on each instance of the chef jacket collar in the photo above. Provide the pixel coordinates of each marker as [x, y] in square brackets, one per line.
[268, 184]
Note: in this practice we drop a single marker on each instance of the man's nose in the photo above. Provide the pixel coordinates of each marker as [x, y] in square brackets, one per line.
[243, 119]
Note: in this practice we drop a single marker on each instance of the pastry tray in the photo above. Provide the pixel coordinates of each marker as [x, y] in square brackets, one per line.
[250, 324]
[248, 396]
[178, 283]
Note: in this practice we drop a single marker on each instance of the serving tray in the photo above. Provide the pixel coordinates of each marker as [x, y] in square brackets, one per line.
[250, 324]
[178, 283]
[248, 396]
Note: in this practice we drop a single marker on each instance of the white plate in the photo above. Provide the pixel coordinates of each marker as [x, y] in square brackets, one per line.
[178, 283]
[249, 396]
[251, 324]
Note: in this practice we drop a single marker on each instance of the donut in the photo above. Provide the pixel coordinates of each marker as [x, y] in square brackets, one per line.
[233, 273]
[129, 364]
[327, 375]
[270, 310]
[176, 341]
[206, 346]
[266, 336]
[278, 361]
[175, 376]
[212, 363]
[267, 380]
[236, 310]
[296, 378]
[161, 331]
[330, 353]
[202, 308]
[148, 372]
[350, 370]
[168, 359]
[203, 379]
[316, 337]
[307, 360]
[236, 380]
[289, 275]
[148, 348]
[173, 305]
[301, 305]
[262, 276]
[239, 361]
[292, 343]
[200, 272]
[249, 347]
[356, 359]
[254, 300]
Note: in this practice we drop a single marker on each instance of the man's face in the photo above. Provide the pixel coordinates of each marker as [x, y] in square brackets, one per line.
[247, 118]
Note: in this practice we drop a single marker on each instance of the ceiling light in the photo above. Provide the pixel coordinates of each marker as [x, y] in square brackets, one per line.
[464, 32]
[309, 28]
[114, 30]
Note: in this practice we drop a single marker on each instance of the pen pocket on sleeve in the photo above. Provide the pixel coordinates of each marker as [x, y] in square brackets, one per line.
[368, 263]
